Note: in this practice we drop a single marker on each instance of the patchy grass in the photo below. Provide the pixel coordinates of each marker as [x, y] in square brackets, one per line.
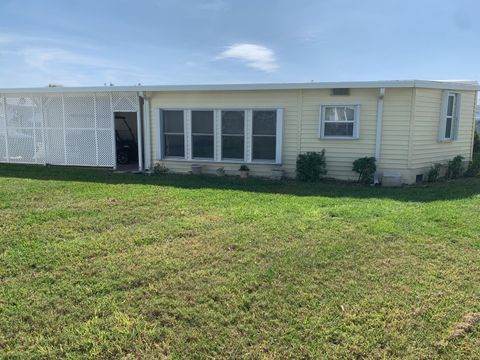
[99, 265]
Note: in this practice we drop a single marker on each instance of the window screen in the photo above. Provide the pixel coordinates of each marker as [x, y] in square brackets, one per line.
[233, 135]
[173, 133]
[264, 135]
[339, 121]
[202, 134]
[449, 121]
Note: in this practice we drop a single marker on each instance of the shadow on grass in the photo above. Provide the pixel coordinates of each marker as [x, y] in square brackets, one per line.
[459, 189]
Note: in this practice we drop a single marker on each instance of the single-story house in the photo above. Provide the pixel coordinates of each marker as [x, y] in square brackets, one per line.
[406, 124]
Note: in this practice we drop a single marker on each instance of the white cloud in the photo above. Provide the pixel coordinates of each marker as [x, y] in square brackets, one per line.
[5, 39]
[255, 56]
[39, 61]
[44, 58]
[212, 5]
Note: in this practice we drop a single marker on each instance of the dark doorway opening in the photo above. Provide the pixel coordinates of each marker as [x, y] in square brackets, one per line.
[126, 141]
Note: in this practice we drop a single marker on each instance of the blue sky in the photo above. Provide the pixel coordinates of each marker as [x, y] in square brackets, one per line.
[125, 42]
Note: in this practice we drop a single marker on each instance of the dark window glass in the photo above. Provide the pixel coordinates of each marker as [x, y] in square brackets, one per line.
[339, 113]
[173, 121]
[448, 129]
[264, 122]
[202, 134]
[233, 122]
[233, 147]
[233, 139]
[264, 139]
[264, 148]
[338, 129]
[174, 145]
[451, 100]
[202, 122]
[173, 133]
[202, 146]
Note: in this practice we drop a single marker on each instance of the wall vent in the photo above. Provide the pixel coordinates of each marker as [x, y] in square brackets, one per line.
[341, 91]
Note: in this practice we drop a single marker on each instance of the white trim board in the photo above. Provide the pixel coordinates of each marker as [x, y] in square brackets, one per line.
[429, 84]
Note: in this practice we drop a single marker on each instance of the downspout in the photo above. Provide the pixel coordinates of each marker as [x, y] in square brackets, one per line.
[139, 131]
[147, 134]
[475, 106]
[378, 134]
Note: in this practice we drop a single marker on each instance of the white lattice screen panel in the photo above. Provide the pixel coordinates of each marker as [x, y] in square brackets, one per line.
[105, 147]
[54, 147]
[61, 129]
[3, 145]
[3, 132]
[124, 102]
[20, 128]
[81, 147]
[53, 123]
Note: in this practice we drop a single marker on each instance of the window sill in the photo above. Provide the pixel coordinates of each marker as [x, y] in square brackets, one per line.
[211, 161]
[338, 138]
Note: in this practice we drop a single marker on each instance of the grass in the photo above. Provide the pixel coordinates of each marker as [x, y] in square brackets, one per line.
[102, 265]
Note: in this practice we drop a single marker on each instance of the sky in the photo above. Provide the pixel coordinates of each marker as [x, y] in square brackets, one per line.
[155, 42]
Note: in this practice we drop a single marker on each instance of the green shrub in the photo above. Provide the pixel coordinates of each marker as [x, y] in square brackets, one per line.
[311, 166]
[473, 166]
[476, 143]
[434, 172]
[365, 167]
[243, 168]
[160, 169]
[455, 167]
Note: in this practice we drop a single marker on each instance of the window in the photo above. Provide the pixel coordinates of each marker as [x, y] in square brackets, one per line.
[450, 114]
[202, 134]
[339, 121]
[173, 133]
[220, 135]
[264, 135]
[233, 135]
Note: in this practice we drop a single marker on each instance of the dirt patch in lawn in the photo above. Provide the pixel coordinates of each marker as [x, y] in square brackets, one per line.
[466, 326]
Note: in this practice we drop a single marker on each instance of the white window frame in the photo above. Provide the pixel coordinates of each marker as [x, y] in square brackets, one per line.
[455, 116]
[161, 134]
[191, 135]
[248, 135]
[356, 122]
[278, 137]
[244, 136]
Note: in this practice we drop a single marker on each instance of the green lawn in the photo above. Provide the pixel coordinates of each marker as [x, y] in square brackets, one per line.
[102, 265]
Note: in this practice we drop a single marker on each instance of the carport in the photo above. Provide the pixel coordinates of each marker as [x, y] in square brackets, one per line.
[64, 126]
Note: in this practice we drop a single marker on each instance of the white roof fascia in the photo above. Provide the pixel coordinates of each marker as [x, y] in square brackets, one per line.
[447, 85]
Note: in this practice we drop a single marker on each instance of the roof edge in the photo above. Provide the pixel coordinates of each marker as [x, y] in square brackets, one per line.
[431, 84]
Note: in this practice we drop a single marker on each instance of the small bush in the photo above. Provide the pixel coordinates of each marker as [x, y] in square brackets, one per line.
[455, 167]
[243, 168]
[473, 166]
[311, 166]
[160, 169]
[434, 172]
[365, 167]
[476, 143]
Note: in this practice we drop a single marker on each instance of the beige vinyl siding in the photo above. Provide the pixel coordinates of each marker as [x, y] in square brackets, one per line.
[286, 99]
[397, 114]
[210, 167]
[409, 134]
[426, 148]
[339, 153]
[301, 125]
